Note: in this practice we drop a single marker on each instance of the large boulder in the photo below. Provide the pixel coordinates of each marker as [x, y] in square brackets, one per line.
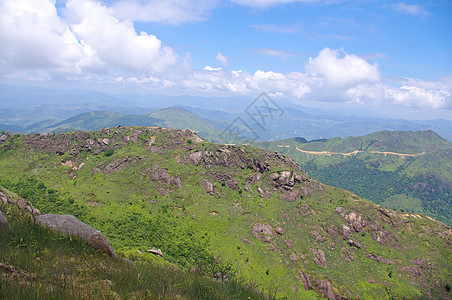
[4, 226]
[69, 224]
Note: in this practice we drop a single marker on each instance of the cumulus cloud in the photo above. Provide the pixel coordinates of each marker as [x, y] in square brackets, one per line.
[341, 72]
[413, 93]
[412, 9]
[166, 11]
[115, 41]
[91, 42]
[89, 39]
[33, 37]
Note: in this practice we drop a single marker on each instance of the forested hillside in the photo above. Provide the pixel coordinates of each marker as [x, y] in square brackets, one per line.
[407, 171]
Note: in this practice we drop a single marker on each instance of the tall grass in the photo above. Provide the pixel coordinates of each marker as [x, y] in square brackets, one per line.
[36, 263]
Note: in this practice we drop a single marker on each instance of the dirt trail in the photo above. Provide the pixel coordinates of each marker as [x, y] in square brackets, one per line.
[328, 153]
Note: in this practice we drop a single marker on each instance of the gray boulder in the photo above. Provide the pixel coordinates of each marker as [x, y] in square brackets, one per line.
[4, 226]
[69, 224]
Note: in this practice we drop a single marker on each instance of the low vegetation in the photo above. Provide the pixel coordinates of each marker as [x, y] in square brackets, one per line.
[235, 213]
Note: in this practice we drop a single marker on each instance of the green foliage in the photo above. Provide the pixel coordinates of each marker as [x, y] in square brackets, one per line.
[37, 263]
[46, 200]
[109, 152]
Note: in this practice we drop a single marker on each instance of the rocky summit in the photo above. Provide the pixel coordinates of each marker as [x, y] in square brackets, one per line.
[255, 213]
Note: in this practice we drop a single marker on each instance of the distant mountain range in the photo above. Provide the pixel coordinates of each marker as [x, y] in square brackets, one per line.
[409, 171]
[33, 109]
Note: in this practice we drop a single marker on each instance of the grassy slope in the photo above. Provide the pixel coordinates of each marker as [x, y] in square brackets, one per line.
[385, 179]
[36, 263]
[128, 208]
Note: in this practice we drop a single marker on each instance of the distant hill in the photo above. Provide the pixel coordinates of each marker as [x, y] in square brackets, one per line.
[177, 117]
[410, 171]
[174, 117]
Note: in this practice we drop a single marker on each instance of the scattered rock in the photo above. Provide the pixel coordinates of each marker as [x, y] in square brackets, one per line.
[280, 230]
[156, 252]
[332, 231]
[345, 232]
[340, 210]
[319, 258]
[356, 221]
[289, 243]
[293, 256]
[347, 254]
[379, 258]
[69, 224]
[139, 251]
[263, 232]
[119, 164]
[207, 185]
[245, 240]
[4, 226]
[323, 287]
[352, 243]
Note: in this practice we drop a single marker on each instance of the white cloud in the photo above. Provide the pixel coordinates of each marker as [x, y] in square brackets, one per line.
[88, 41]
[222, 59]
[273, 52]
[164, 11]
[115, 41]
[413, 9]
[209, 68]
[34, 37]
[414, 93]
[341, 72]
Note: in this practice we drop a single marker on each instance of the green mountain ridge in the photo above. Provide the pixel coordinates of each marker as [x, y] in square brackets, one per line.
[411, 171]
[255, 213]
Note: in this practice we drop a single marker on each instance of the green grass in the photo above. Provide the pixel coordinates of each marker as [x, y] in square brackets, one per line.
[195, 229]
[37, 263]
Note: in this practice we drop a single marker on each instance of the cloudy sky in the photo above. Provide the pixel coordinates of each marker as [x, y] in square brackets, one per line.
[369, 53]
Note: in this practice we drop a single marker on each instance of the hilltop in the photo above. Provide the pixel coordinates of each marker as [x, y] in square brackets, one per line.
[410, 171]
[256, 214]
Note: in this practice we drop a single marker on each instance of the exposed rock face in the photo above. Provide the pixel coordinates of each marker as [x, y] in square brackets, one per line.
[379, 258]
[4, 226]
[159, 174]
[264, 232]
[280, 230]
[69, 224]
[3, 138]
[345, 232]
[320, 286]
[119, 164]
[347, 254]
[319, 257]
[207, 185]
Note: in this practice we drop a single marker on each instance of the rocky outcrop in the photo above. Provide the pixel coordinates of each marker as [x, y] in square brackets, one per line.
[379, 258]
[280, 230]
[4, 226]
[208, 186]
[263, 232]
[3, 138]
[119, 164]
[323, 287]
[159, 174]
[69, 224]
[319, 257]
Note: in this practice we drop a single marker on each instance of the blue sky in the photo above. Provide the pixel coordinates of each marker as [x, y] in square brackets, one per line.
[382, 54]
